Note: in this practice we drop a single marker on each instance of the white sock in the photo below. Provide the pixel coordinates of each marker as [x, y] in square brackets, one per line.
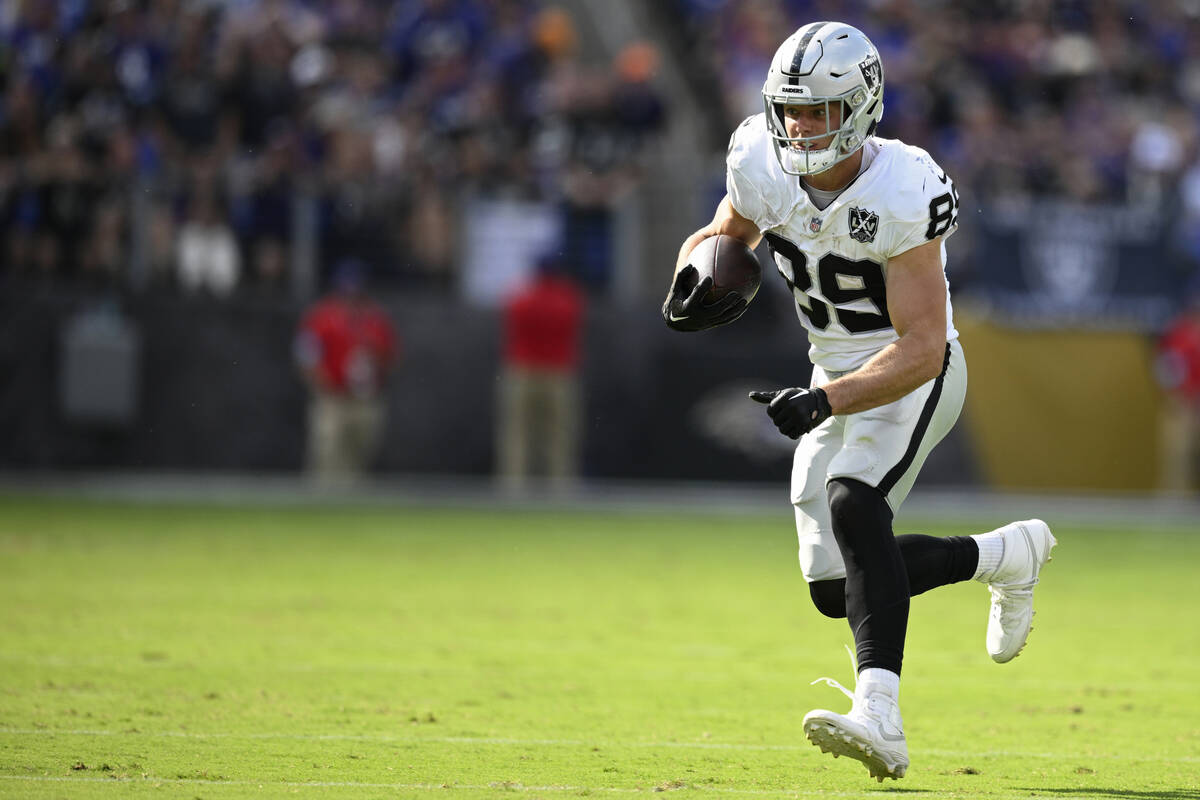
[884, 678]
[991, 549]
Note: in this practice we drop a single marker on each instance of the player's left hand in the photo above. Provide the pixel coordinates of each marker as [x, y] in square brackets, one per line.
[795, 411]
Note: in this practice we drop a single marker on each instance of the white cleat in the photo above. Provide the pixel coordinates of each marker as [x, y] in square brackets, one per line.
[1027, 546]
[872, 732]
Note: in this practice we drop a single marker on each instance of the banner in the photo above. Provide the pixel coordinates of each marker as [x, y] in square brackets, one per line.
[1057, 264]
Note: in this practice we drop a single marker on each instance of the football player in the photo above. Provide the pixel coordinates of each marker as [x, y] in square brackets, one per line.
[857, 226]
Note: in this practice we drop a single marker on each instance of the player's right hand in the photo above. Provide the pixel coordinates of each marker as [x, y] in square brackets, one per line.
[685, 309]
[795, 411]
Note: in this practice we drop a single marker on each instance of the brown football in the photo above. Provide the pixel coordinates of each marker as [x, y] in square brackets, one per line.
[732, 265]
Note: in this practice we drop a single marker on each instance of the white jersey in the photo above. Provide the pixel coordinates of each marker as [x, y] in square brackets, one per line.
[835, 260]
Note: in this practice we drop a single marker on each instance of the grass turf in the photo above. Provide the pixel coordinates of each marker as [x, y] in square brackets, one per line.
[172, 651]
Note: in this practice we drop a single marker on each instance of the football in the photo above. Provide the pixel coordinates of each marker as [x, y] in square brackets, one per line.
[733, 266]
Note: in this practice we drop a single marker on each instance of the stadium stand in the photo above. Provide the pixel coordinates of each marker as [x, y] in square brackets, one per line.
[161, 159]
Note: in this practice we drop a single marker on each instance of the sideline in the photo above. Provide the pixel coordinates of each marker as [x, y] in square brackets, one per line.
[419, 491]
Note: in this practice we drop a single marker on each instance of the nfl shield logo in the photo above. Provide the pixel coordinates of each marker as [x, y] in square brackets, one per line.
[863, 225]
[814, 224]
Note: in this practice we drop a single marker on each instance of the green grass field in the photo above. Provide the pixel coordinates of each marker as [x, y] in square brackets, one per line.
[184, 651]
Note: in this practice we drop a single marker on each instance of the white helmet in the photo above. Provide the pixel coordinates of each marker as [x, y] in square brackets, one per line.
[824, 62]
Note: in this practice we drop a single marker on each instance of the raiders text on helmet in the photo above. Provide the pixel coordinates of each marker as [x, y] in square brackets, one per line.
[830, 63]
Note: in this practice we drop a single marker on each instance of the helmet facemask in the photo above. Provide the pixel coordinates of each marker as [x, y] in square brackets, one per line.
[799, 155]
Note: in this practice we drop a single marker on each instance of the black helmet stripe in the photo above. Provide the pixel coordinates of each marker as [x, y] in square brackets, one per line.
[798, 56]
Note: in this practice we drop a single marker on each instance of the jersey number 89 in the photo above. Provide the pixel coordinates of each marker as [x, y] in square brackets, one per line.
[865, 279]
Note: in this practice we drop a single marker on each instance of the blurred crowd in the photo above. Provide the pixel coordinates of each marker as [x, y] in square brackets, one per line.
[212, 145]
[187, 142]
[1090, 101]
[1083, 100]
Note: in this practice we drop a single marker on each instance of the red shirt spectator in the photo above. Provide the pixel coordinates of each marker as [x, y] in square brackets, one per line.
[346, 343]
[542, 324]
[1179, 357]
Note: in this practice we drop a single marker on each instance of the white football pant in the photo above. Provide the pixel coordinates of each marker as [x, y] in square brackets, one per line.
[884, 447]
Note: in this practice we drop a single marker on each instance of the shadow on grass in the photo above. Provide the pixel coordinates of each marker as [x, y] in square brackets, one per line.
[1126, 794]
[902, 790]
[898, 790]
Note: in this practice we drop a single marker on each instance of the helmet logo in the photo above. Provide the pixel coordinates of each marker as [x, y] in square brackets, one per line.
[872, 72]
[803, 91]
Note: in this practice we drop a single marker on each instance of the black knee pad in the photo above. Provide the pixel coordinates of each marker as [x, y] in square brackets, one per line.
[855, 507]
[829, 597]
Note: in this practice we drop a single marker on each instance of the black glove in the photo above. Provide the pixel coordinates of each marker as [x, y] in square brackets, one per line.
[795, 411]
[685, 309]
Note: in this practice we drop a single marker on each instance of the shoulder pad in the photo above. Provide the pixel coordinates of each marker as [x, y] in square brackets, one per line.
[757, 186]
[921, 199]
